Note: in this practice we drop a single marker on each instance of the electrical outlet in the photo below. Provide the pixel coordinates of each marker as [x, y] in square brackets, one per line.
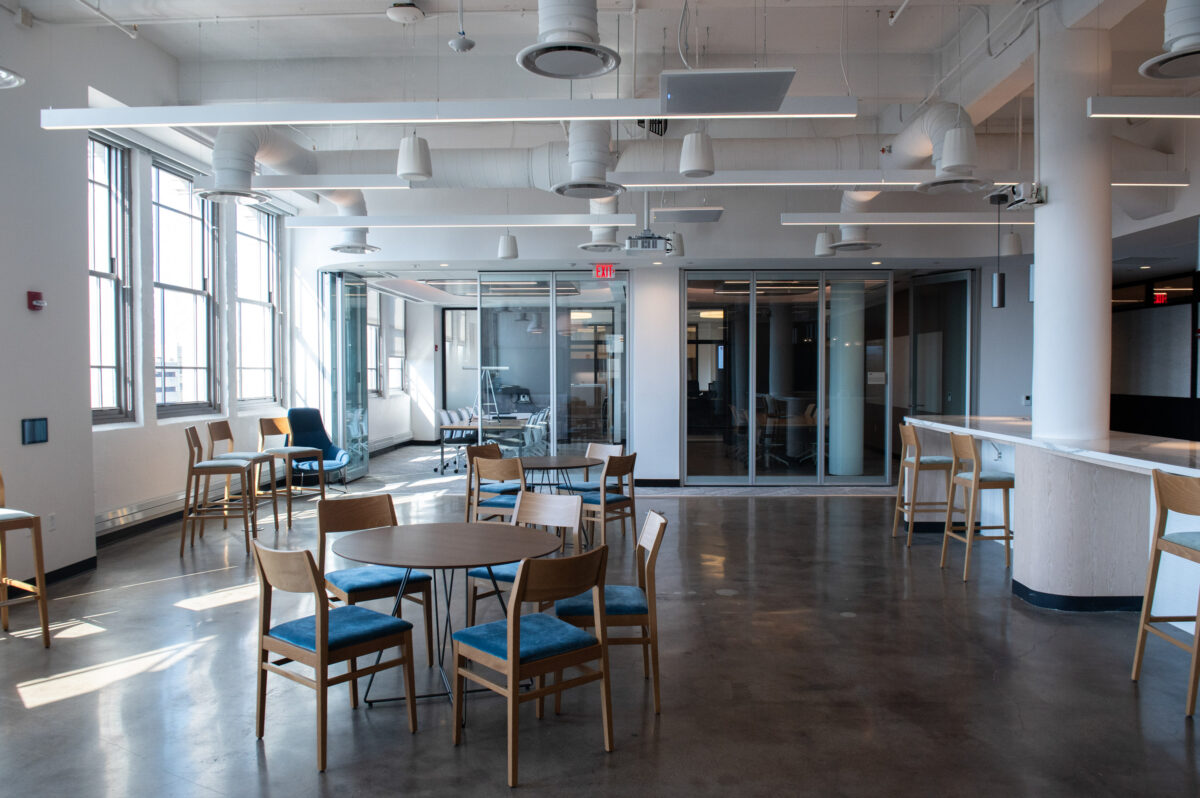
[1027, 400]
[50, 522]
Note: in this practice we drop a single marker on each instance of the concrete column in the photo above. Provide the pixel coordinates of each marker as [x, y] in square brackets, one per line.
[1072, 312]
[847, 353]
[782, 355]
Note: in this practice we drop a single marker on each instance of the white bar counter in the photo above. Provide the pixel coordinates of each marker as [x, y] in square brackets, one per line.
[1082, 513]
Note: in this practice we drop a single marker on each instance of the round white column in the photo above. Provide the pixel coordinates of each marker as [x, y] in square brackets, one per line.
[781, 358]
[1072, 312]
[847, 357]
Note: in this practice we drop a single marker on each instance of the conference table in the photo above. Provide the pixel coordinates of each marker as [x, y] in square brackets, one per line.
[493, 425]
[443, 548]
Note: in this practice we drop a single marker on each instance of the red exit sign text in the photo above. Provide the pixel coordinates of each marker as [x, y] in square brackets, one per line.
[604, 271]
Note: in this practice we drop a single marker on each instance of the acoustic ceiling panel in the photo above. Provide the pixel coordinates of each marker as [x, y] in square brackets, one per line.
[717, 91]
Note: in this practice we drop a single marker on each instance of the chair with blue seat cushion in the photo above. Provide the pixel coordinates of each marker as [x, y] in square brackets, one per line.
[557, 513]
[327, 637]
[1173, 493]
[628, 605]
[972, 479]
[912, 463]
[308, 429]
[525, 647]
[196, 505]
[13, 521]
[273, 428]
[488, 451]
[220, 433]
[616, 502]
[601, 451]
[484, 505]
[365, 583]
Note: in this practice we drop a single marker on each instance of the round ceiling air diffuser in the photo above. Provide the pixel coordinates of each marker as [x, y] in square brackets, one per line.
[600, 246]
[568, 60]
[854, 245]
[354, 249]
[1181, 40]
[241, 196]
[953, 184]
[588, 188]
[1183, 63]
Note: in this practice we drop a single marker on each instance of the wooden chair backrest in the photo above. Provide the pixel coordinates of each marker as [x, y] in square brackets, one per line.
[504, 469]
[195, 449]
[291, 572]
[648, 542]
[909, 440]
[559, 510]
[605, 450]
[272, 426]
[349, 514]
[619, 466]
[488, 451]
[1174, 493]
[219, 431]
[965, 450]
[560, 578]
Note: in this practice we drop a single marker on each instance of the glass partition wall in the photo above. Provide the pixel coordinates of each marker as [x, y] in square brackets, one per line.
[800, 395]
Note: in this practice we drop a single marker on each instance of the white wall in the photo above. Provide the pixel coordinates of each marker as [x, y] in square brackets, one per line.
[655, 368]
[1005, 348]
[425, 370]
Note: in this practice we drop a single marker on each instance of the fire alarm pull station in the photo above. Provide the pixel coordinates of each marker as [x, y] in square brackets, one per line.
[34, 300]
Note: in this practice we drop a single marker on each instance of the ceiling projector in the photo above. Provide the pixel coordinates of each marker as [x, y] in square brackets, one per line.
[648, 243]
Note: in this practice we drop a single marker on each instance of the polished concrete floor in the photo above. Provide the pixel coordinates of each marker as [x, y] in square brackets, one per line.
[804, 652]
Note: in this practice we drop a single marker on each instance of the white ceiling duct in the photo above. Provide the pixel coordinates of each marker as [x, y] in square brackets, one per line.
[1181, 39]
[589, 156]
[604, 238]
[854, 236]
[350, 202]
[568, 44]
[927, 136]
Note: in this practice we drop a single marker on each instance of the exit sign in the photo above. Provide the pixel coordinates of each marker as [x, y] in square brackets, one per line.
[604, 271]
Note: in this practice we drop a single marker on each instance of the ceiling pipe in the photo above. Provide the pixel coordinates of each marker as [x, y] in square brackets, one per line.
[926, 137]
[1181, 40]
[604, 237]
[568, 45]
[589, 154]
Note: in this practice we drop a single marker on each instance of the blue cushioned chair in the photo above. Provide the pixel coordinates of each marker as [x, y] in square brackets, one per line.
[1173, 493]
[530, 646]
[354, 585]
[617, 502]
[490, 488]
[599, 450]
[327, 637]
[972, 479]
[308, 429]
[912, 463]
[628, 605]
[558, 513]
[483, 471]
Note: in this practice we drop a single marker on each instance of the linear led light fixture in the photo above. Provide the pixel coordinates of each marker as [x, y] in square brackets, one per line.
[901, 178]
[419, 113]
[321, 182]
[472, 220]
[1143, 107]
[981, 219]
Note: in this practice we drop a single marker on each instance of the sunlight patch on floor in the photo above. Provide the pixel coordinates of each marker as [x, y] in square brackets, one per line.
[220, 598]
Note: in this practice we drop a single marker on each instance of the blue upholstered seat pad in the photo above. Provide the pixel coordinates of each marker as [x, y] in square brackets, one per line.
[348, 626]
[584, 487]
[372, 577]
[1189, 540]
[330, 465]
[282, 450]
[618, 600]
[541, 636]
[7, 514]
[932, 459]
[508, 501]
[257, 457]
[512, 486]
[593, 497]
[503, 573]
[988, 476]
[228, 463]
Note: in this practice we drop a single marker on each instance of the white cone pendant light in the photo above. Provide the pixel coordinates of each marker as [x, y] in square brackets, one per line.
[696, 157]
[507, 249]
[10, 79]
[823, 248]
[1010, 244]
[413, 163]
[676, 245]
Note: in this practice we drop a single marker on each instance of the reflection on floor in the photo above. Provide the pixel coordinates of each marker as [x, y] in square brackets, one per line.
[804, 652]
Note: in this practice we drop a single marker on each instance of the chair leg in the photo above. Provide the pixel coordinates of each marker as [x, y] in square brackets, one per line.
[187, 511]
[353, 666]
[456, 726]
[471, 600]
[322, 713]
[260, 720]
[4, 580]
[1007, 534]
[287, 486]
[410, 696]
[201, 505]
[971, 507]
[539, 683]
[321, 476]
[645, 630]
[225, 500]
[912, 504]
[274, 492]
[654, 665]
[247, 493]
[40, 580]
[1147, 604]
[513, 726]
[949, 523]
[606, 699]
[427, 610]
[558, 677]
[899, 500]
[1194, 670]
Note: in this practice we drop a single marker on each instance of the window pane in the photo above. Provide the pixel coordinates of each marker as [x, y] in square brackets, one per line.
[395, 376]
[255, 351]
[178, 254]
[172, 190]
[373, 357]
[181, 346]
[108, 227]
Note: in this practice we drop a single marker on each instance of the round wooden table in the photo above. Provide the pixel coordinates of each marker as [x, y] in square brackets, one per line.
[562, 463]
[442, 547]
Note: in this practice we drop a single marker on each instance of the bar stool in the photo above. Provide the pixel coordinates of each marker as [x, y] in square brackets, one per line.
[966, 449]
[11, 521]
[1179, 494]
[912, 463]
[268, 427]
[219, 431]
[196, 506]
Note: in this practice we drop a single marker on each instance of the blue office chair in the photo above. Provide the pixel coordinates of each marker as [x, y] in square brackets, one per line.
[309, 430]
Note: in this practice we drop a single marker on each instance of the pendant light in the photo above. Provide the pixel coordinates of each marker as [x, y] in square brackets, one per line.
[507, 248]
[696, 156]
[998, 276]
[10, 79]
[824, 246]
[413, 162]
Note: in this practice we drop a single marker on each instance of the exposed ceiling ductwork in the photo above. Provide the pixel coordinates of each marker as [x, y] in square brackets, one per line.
[1181, 39]
[943, 133]
[568, 44]
[589, 154]
[604, 238]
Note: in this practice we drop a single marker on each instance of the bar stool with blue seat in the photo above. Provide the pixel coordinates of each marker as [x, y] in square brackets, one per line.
[965, 449]
[14, 521]
[368, 582]
[485, 471]
[325, 638]
[628, 605]
[600, 451]
[308, 429]
[616, 501]
[1173, 493]
[523, 647]
[274, 428]
[912, 463]
[196, 505]
[220, 432]
[489, 488]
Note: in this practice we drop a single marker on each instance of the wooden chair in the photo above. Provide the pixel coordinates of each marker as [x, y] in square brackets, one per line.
[508, 469]
[488, 451]
[603, 451]
[220, 432]
[966, 449]
[272, 427]
[558, 513]
[197, 507]
[525, 647]
[1172, 494]
[327, 637]
[912, 463]
[628, 605]
[12, 521]
[354, 585]
[616, 501]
